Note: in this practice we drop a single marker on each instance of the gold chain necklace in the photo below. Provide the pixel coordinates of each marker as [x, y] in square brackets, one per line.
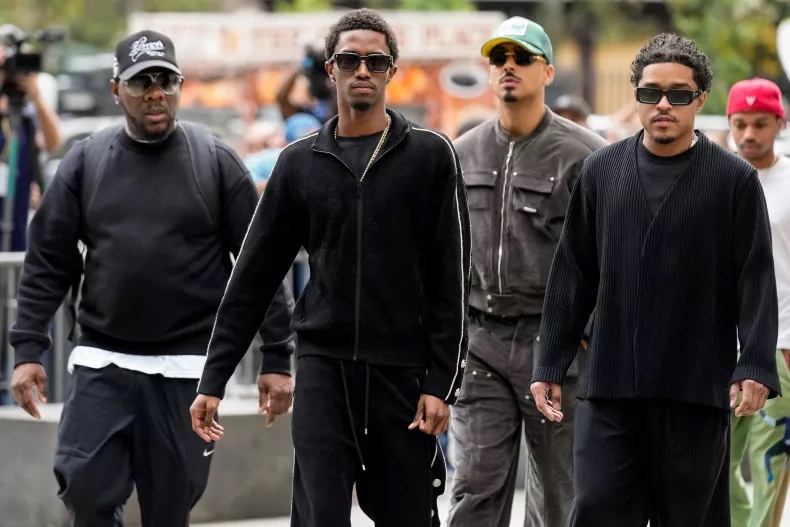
[376, 151]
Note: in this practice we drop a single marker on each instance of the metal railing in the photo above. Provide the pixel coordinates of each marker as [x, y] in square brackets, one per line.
[242, 384]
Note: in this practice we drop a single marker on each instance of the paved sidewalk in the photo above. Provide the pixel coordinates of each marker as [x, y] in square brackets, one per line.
[358, 518]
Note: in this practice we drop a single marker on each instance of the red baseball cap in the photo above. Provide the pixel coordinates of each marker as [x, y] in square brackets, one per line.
[755, 95]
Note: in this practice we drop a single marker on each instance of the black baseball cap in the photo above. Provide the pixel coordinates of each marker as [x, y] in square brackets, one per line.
[141, 51]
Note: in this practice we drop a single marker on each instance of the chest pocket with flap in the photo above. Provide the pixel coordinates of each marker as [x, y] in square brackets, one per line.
[480, 189]
[530, 193]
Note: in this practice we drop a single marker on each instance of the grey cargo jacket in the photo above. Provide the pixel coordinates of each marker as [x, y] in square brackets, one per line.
[518, 193]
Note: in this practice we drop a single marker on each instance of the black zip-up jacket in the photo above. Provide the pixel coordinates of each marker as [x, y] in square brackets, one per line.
[155, 267]
[673, 292]
[389, 258]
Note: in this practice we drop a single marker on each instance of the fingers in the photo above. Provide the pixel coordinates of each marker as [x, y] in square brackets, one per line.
[556, 397]
[540, 392]
[420, 415]
[215, 431]
[263, 396]
[427, 425]
[24, 396]
[442, 421]
[41, 384]
[203, 422]
[735, 389]
[274, 398]
[754, 397]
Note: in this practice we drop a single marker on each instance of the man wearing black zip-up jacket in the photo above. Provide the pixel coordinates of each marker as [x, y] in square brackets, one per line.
[380, 206]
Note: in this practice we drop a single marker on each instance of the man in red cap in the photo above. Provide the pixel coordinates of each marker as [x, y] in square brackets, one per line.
[756, 117]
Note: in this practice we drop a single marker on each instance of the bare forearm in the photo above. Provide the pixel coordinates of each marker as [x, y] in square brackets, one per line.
[49, 124]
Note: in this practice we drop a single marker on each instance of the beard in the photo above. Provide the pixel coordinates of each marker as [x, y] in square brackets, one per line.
[361, 106]
[508, 96]
[138, 131]
[666, 140]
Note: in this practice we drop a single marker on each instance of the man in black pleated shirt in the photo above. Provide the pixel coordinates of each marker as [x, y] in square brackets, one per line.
[667, 237]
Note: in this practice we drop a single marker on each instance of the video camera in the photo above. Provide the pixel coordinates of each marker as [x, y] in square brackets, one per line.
[313, 69]
[18, 62]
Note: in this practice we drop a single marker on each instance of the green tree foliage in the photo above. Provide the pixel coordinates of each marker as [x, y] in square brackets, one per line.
[302, 6]
[96, 22]
[739, 37]
[437, 5]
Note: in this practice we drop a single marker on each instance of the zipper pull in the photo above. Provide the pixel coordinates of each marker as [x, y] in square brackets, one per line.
[359, 188]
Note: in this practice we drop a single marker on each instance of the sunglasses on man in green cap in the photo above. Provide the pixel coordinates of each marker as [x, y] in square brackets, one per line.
[527, 35]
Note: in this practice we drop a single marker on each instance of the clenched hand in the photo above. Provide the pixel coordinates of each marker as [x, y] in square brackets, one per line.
[25, 378]
[754, 396]
[275, 395]
[432, 417]
[552, 409]
[203, 410]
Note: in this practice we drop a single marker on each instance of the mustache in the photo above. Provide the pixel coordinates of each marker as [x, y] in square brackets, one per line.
[363, 84]
[663, 116]
[156, 109]
[508, 75]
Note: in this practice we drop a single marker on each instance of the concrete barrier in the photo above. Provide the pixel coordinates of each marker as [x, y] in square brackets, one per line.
[250, 474]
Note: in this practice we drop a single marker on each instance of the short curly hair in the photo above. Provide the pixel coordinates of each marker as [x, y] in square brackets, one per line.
[668, 47]
[365, 19]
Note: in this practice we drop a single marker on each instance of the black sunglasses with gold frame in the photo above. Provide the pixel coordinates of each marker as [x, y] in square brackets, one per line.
[350, 61]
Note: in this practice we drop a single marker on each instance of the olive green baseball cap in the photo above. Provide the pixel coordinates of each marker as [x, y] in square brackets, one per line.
[525, 33]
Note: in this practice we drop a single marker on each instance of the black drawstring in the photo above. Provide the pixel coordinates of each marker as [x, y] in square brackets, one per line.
[351, 417]
[367, 394]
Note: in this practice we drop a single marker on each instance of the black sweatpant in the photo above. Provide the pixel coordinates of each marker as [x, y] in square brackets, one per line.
[666, 462]
[122, 428]
[404, 471]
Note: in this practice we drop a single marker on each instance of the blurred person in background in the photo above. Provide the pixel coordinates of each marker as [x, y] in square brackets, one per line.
[756, 116]
[159, 229]
[573, 108]
[263, 143]
[379, 205]
[322, 101]
[262, 163]
[39, 130]
[668, 239]
[519, 169]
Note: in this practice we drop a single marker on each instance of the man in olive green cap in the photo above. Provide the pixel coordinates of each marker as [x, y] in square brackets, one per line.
[519, 168]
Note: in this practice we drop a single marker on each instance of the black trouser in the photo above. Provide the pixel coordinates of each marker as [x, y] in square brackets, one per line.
[658, 461]
[121, 428]
[335, 401]
[494, 406]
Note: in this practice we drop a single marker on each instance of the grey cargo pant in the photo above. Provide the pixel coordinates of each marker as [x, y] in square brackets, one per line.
[494, 404]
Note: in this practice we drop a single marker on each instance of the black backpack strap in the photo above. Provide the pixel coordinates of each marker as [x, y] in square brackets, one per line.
[96, 152]
[203, 155]
[207, 175]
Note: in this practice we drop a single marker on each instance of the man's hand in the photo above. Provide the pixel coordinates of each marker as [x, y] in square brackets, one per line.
[550, 408]
[26, 376]
[203, 410]
[786, 355]
[29, 85]
[432, 417]
[275, 395]
[754, 396]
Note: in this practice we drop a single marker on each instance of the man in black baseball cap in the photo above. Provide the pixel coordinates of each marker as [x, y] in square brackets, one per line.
[160, 205]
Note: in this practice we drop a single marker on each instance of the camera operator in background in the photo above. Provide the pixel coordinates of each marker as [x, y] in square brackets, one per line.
[37, 130]
[322, 103]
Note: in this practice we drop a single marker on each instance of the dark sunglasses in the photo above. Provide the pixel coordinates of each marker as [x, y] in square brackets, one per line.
[348, 61]
[675, 97]
[521, 57]
[139, 85]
